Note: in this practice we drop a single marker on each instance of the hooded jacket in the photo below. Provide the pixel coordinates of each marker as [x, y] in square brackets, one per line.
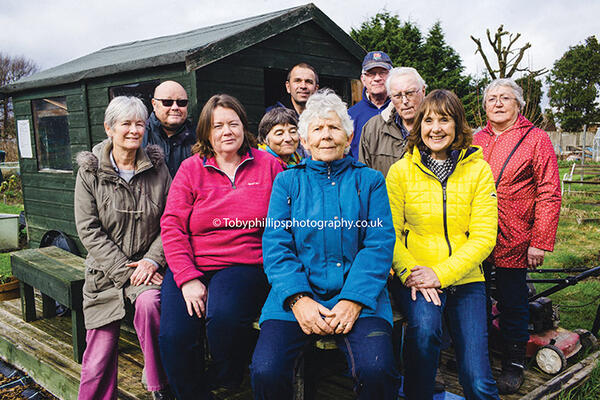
[118, 223]
[382, 142]
[528, 193]
[306, 252]
[449, 227]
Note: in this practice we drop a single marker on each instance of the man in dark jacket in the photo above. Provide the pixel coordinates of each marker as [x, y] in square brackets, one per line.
[302, 81]
[375, 68]
[168, 125]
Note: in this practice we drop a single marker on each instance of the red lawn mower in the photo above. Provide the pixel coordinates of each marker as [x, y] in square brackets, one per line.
[548, 343]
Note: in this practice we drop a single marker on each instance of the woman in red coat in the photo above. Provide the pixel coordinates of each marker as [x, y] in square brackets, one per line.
[528, 189]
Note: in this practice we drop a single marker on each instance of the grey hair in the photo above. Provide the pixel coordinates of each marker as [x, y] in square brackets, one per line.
[319, 105]
[401, 71]
[122, 108]
[507, 82]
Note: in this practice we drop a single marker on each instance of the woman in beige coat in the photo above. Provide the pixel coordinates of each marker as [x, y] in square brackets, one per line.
[120, 195]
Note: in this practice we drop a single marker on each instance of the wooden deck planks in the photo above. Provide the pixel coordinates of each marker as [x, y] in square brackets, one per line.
[43, 349]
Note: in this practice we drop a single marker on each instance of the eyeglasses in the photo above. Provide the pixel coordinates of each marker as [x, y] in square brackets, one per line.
[372, 74]
[503, 99]
[169, 102]
[409, 94]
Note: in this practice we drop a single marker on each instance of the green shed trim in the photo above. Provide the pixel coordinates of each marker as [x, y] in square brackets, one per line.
[195, 48]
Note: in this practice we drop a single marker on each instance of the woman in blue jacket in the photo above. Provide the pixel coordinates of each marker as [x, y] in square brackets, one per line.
[327, 251]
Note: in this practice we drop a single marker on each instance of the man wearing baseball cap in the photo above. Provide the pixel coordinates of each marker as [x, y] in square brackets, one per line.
[375, 68]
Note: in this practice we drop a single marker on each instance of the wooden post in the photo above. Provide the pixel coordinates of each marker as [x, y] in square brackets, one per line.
[78, 330]
[27, 302]
[48, 306]
[583, 149]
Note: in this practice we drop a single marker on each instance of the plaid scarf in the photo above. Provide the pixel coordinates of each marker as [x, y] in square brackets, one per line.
[441, 170]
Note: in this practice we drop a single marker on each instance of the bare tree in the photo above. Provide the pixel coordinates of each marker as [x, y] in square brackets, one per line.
[11, 70]
[507, 56]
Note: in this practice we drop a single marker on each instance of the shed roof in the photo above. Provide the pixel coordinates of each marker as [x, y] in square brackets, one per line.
[195, 48]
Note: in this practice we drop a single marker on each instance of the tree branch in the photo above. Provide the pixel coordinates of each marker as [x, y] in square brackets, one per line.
[485, 59]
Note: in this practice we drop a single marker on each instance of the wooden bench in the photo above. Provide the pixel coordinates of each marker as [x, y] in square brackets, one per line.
[584, 171]
[59, 276]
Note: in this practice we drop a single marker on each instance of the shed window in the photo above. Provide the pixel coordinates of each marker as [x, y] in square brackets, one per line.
[142, 90]
[52, 133]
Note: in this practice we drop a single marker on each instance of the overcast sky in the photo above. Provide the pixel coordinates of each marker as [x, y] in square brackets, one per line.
[53, 32]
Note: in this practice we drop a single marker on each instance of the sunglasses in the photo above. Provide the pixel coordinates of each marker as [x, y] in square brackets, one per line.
[169, 102]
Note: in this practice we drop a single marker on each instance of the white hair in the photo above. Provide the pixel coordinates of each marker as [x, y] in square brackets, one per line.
[509, 83]
[401, 71]
[319, 105]
[122, 108]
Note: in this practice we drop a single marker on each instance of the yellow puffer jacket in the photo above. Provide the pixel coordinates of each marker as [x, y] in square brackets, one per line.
[451, 229]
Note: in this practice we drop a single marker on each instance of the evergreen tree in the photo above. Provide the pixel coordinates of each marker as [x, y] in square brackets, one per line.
[575, 85]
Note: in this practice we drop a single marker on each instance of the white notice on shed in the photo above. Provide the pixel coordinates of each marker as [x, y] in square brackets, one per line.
[24, 138]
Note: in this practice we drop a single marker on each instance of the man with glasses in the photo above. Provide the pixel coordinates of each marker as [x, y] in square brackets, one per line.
[168, 125]
[384, 136]
[375, 68]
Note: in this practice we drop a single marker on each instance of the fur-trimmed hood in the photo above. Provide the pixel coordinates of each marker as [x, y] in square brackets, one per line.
[89, 160]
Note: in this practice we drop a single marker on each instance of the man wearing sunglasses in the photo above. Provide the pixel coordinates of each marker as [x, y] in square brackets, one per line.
[384, 136]
[168, 125]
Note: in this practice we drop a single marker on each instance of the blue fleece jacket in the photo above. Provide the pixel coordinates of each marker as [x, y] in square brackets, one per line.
[311, 255]
[360, 113]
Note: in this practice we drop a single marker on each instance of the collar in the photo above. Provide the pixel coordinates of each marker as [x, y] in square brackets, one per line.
[184, 134]
[334, 167]
[294, 158]
[400, 125]
[520, 123]
[371, 104]
[212, 161]
[107, 165]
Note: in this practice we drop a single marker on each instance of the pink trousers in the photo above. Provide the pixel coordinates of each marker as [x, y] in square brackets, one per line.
[100, 359]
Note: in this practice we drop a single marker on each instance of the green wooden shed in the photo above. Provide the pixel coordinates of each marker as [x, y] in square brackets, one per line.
[60, 111]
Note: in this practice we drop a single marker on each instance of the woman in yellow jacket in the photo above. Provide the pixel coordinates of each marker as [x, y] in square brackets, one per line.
[444, 207]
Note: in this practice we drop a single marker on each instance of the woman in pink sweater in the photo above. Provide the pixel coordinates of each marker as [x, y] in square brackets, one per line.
[212, 236]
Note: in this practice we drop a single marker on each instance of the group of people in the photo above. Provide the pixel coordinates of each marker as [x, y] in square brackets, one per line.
[311, 228]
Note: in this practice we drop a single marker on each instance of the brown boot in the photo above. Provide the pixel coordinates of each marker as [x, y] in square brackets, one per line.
[513, 366]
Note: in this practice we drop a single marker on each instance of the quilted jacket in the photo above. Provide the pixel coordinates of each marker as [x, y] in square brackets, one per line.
[528, 193]
[449, 227]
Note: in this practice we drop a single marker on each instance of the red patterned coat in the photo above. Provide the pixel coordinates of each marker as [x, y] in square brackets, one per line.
[528, 194]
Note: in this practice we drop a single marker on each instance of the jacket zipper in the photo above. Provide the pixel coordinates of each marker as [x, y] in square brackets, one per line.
[406, 232]
[232, 181]
[444, 199]
[446, 218]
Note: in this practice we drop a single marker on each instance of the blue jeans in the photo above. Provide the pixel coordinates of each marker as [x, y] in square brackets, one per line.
[465, 309]
[235, 297]
[368, 351]
[513, 304]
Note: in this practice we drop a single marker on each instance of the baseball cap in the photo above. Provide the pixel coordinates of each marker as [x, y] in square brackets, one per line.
[376, 59]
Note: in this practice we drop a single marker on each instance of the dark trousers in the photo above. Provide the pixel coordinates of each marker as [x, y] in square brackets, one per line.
[235, 297]
[465, 309]
[368, 351]
[512, 293]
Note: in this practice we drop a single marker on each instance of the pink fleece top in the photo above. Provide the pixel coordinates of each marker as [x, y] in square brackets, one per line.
[209, 221]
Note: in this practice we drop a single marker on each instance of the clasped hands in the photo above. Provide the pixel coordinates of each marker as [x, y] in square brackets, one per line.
[144, 273]
[318, 319]
[424, 279]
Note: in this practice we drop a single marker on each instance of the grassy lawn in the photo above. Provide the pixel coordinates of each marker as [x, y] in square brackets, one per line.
[577, 245]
